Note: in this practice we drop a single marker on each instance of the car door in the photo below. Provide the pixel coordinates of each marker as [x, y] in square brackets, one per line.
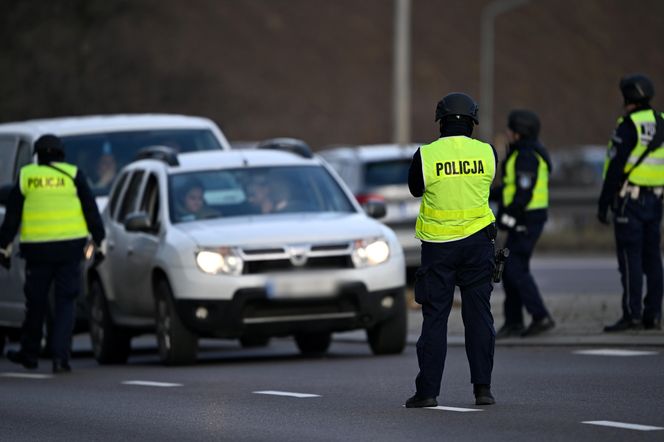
[12, 302]
[118, 242]
[141, 250]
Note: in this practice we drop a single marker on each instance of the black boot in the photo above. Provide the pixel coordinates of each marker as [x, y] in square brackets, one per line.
[483, 394]
[509, 330]
[20, 358]
[61, 366]
[652, 324]
[539, 326]
[624, 324]
[420, 402]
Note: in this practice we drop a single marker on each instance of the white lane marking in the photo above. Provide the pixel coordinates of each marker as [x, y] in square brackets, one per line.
[615, 352]
[26, 375]
[460, 410]
[286, 393]
[152, 384]
[623, 425]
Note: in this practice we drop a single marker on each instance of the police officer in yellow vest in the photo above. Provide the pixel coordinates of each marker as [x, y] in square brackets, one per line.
[453, 176]
[53, 205]
[523, 203]
[633, 188]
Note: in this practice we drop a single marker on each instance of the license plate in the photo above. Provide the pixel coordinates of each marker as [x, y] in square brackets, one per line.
[299, 286]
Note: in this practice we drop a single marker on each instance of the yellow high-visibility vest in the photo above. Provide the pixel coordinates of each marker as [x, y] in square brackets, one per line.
[650, 172]
[540, 198]
[51, 210]
[457, 172]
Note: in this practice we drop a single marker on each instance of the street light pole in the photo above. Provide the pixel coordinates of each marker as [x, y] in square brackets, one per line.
[487, 31]
[401, 69]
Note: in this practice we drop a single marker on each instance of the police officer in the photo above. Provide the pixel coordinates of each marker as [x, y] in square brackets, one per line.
[633, 183]
[53, 205]
[453, 176]
[524, 198]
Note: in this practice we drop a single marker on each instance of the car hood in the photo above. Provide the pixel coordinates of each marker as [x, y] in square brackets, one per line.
[282, 229]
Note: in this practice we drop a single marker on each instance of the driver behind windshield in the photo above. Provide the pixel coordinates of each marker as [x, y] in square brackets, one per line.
[190, 202]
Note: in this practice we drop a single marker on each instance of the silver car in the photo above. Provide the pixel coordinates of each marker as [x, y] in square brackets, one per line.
[242, 245]
[380, 172]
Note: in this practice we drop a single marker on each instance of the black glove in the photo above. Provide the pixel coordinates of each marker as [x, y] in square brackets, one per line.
[97, 258]
[5, 261]
[603, 215]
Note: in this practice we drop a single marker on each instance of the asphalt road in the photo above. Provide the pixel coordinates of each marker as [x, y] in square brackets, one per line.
[543, 394]
[569, 275]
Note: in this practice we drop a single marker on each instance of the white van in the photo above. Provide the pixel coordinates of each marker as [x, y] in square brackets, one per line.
[100, 146]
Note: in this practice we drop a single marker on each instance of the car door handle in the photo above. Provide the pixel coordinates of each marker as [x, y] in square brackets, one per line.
[130, 250]
[110, 245]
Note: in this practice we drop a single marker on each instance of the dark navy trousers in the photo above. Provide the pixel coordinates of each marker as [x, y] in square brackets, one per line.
[467, 263]
[520, 287]
[39, 276]
[637, 227]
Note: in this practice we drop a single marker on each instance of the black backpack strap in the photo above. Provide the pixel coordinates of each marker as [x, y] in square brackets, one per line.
[60, 170]
[656, 141]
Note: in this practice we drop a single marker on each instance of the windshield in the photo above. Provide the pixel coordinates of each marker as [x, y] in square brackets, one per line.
[385, 173]
[254, 191]
[101, 155]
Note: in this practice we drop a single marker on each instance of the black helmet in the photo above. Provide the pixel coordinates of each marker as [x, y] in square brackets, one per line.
[49, 148]
[524, 123]
[457, 103]
[637, 88]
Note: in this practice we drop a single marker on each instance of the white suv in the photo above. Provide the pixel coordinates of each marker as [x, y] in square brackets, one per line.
[247, 245]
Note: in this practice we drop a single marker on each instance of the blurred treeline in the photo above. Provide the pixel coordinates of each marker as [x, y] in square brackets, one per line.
[322, 70]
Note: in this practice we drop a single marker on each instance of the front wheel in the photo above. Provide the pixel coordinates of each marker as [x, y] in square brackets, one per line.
[110, 344]
[313, 343]
[389, 336]
[177, 345]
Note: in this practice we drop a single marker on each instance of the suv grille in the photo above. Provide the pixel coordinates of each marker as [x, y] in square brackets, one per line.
[300, 257]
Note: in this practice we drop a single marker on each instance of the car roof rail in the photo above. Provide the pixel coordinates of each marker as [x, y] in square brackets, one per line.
[292, 145]
[161, 153]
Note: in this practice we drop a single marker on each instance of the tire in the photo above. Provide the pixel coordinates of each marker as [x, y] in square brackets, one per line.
[110, 343]
[250, 341]
[389, 337]
[313, 343]
[177, 345]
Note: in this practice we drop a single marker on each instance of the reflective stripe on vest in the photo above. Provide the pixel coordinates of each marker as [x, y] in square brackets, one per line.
[457, 172]
[651, 170]
[51, 210]
[540, 198]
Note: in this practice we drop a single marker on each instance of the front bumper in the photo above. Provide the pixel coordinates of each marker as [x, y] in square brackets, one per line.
[252, 312]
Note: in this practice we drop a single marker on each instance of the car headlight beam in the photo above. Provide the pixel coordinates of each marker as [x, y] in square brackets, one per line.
[370, 252]
[222, 260]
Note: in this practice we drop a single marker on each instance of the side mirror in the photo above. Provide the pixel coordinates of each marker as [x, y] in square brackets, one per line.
[138, 222]
[4, 194]
[375, 208]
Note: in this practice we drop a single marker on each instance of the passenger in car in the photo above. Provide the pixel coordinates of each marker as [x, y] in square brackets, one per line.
[106, 169]
[258, 194]
[280, 196]
[191, 204]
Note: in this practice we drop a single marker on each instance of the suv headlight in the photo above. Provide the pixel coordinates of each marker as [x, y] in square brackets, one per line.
[370, 252]
[222, 260]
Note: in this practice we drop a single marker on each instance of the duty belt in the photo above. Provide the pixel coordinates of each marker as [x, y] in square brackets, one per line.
[634, 190]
